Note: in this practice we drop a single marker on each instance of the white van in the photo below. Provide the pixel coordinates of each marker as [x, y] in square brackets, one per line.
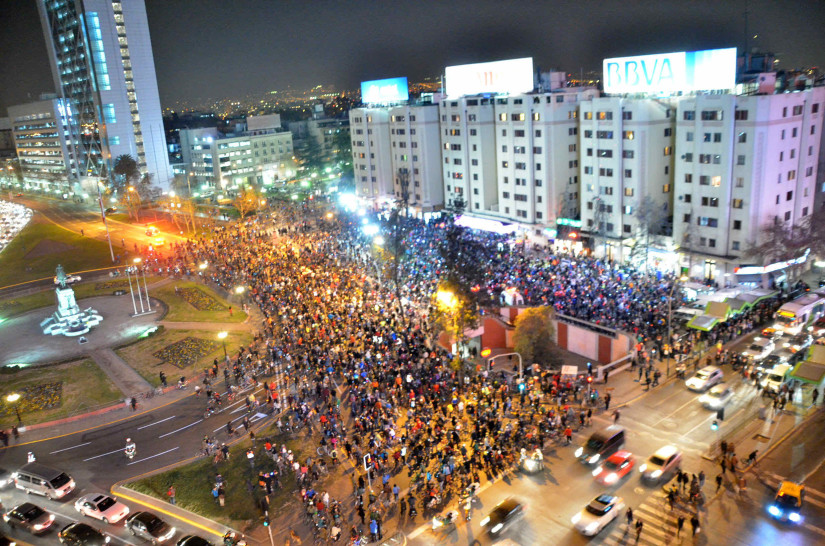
[774, 378]
[42, 480]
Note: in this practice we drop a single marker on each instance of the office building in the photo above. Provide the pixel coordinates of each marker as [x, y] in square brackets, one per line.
[43, 144]
[101, 59]
[260, 153]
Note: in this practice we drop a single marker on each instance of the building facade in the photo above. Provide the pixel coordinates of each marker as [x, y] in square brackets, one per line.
[101, 59]
[43, 144]
[743, 164]
[372, 154]
[416, 155]
[220, 162]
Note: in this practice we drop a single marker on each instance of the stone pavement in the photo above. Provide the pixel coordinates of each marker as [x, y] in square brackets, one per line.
[122, 375]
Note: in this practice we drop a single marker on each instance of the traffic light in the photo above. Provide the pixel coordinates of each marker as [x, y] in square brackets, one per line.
[266, 522]
[720, 414]
[714, 425]
[589, 378]
[589, 368]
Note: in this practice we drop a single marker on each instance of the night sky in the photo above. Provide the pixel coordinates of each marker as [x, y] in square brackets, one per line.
[223, 48]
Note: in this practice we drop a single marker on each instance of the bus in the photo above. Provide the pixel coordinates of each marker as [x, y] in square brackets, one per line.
[795, 315]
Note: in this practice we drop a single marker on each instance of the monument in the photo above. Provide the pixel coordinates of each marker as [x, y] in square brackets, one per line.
[69, 319]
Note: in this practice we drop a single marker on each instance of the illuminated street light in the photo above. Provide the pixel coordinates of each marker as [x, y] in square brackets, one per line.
[222, 337]
[239, 289]
[379, 241]
[203, 266]
[447, 299]
[14, 398]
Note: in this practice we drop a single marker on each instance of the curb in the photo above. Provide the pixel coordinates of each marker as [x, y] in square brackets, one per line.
[74, 418]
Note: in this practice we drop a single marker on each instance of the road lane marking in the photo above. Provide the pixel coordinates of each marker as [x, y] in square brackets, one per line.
[68, 448]
[181, 428]
[155, 423]
[103, 455]
[665, 418]
[232, 421]
[152, 457]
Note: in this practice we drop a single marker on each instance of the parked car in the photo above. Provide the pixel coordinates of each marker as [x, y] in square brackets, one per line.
[595, 516]
[798, 342]
[102, 507]
[704, 379]
[661, 463]
[149, 527]
[30, 517]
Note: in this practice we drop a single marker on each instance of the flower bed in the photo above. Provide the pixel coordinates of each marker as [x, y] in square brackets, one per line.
[199, 299]
[112, 285]
[34, 398]
[185, 352]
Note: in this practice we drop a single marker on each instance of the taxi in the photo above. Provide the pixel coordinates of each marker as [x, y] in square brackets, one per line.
[787, 504]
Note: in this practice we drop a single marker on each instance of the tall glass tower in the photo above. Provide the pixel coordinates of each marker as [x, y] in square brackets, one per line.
[101, 59]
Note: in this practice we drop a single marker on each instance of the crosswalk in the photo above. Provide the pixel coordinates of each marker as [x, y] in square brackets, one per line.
[659, 524]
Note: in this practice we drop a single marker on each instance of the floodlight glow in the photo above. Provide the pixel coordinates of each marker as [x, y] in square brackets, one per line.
[348, 200]
[370, 229]
[378, 241]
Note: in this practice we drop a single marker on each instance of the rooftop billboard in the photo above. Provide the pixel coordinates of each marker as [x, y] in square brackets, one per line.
[684, 71]
[385, 91]
[512, 77]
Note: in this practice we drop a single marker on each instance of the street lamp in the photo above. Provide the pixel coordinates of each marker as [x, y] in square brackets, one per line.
[239, 290]
[222, 337]
[447, 299]
[14, 398]
[676, 282]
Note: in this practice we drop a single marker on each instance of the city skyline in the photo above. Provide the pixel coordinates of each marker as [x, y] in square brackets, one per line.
[235, 60]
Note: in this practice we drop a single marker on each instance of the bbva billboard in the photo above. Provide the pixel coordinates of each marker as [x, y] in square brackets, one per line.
[683, 71]
[385, 91]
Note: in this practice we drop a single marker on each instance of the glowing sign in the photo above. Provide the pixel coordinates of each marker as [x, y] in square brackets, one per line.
[385, 91]
[671, 72]
[512, 77]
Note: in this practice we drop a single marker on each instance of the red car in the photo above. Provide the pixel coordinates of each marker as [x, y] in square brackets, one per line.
[614, 468]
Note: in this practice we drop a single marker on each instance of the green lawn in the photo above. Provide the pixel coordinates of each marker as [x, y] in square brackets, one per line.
[194, 482]
[180, 310]
[84, 387]
[140, 355]
[74, 252]
[104, 287]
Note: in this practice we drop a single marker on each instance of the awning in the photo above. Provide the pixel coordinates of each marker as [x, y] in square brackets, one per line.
[809, 372]
[703, 322]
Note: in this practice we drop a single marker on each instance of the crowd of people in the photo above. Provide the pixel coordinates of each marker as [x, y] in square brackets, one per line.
[366, 376]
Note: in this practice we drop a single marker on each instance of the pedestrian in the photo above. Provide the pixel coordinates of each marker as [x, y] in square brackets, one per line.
[616, 416]
[15, 433]
[723, 447]
[568, 433]
[396, 491]
[171, 494]
[694, 523]
[629, 516]
[373, 530]
[162, 378]
[701, 479]
[639, 525]
[752, 457]
[606, 374]
[133, 403]
[362, 514]
[680, 522]
[814, 397]
[718, 482]
[607, 399]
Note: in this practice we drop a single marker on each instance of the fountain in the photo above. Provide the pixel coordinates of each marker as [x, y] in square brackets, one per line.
[69, 319]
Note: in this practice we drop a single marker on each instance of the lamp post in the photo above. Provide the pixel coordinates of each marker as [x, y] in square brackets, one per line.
[14, 398]
[222, 337]
[520, 369]
[670, 322]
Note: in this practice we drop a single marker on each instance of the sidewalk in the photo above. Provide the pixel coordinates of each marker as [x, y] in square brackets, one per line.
[122, 375]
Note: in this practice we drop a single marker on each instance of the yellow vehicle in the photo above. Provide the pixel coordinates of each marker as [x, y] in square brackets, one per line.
[152, 231]
[158, 241]
[787, 504]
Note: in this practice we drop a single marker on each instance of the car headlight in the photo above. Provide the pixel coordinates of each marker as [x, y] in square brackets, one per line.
[643, 467]
[793, 516]
[774, 511]
[497, 528]
[611, 478]
[595, 458]
[107, 539]
[592, 527]
[579, 452]
[485, 521]
[575, 519]
[597, 471]
[655, 473]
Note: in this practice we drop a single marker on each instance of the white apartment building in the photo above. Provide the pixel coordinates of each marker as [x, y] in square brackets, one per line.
[742, 163]
[626, 151]
[468, 152]
[101, 58]
[416, 157]
[537, 159]
[41, 139]
[219, 162]
[372, 154]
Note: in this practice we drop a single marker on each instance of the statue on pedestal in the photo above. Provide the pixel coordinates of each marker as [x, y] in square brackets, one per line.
[69, 319]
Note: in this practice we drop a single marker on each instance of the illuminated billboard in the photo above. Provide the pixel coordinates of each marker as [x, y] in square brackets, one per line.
[512, 77]
[684, 71]
[385, 91]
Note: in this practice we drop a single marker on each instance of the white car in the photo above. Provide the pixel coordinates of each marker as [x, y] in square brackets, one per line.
[103, 507]
[759, 349]
[70, 279]
[704, 379]
[717, 397]
[664, 461]
[595, 516]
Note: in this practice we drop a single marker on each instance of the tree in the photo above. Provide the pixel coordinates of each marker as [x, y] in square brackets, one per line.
[651, 220]
[782, 241]
[126, 171]
[245, 201]
[533, 338]
[455, 313]
[310, 154]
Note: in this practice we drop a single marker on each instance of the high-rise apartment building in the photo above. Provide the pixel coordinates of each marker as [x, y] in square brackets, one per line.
[101, 58]
[626, 157]
[43, 145]
[742, 164]
[372, 154]
[416, 156]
